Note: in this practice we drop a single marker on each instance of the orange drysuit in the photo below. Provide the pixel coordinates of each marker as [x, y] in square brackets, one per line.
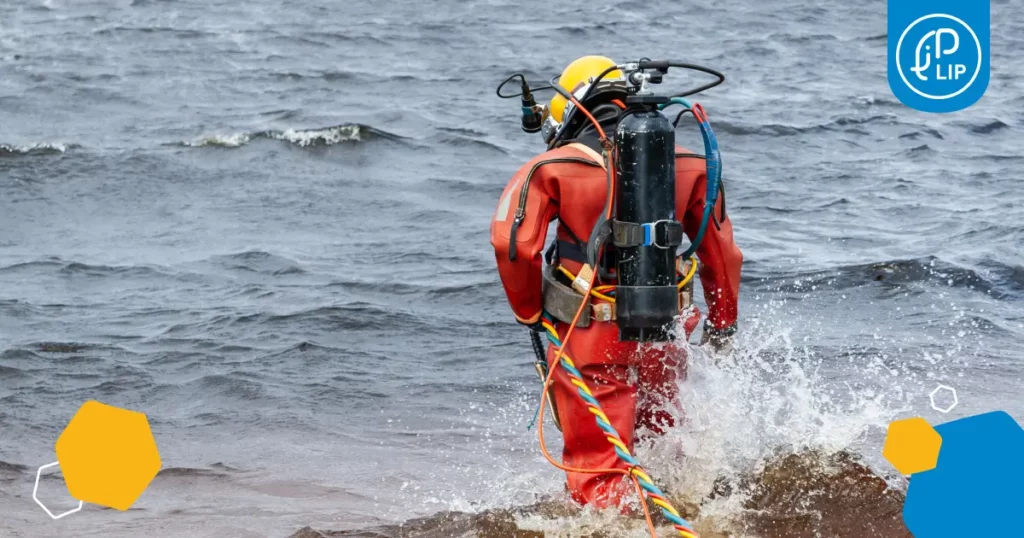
[632, 381]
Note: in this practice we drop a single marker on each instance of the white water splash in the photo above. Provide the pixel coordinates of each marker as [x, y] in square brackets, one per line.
[221, 141]
[589, 521]
[773, 396]
[768, 398]
[316, 137]
[303, 138]
[45, 147]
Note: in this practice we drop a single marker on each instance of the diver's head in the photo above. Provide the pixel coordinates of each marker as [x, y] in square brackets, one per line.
[561, 120]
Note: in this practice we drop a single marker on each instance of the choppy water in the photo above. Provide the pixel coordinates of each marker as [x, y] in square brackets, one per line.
[265, 225]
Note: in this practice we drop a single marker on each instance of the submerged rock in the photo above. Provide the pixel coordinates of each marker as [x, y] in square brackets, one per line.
[810, 494]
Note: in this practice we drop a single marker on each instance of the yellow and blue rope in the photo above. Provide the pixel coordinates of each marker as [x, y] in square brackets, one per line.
[683, 527]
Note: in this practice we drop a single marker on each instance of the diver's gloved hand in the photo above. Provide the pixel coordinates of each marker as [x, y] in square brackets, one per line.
[719, 341]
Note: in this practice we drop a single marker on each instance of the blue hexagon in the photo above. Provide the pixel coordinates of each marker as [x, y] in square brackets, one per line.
[978, 480]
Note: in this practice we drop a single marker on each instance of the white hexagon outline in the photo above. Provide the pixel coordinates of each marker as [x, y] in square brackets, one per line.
[35, 496]
[931, 396]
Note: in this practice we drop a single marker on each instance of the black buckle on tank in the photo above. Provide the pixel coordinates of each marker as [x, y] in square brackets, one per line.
[663, 234]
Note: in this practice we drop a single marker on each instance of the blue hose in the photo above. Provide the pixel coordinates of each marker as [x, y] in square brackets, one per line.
[713, 163]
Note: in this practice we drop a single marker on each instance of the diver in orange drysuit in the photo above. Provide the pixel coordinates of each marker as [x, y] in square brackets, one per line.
[632, 381]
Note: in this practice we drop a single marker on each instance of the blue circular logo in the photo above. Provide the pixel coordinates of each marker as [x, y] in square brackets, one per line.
[939, 56]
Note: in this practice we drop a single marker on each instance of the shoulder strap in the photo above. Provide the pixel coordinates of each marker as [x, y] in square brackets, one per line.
[584, 149]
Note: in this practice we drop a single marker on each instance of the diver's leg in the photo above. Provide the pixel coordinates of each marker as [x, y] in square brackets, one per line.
[660, 370]
[600, 359]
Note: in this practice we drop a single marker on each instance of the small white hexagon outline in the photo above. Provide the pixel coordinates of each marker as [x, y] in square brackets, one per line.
[931, 397]
[35, 496]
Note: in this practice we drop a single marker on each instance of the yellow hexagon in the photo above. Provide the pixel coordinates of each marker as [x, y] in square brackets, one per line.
[912, 446]
[107, 455]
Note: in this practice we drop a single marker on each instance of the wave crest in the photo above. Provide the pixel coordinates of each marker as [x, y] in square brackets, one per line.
[997, 280]
[46, 148]
[303, 138]
[842, 123]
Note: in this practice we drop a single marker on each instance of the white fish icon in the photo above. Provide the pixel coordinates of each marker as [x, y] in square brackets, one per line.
[918, 68]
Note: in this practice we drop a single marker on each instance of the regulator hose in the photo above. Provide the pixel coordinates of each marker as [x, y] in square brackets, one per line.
[713, 163]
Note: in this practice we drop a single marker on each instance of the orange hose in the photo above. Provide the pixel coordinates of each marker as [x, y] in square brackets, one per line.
[643, 504]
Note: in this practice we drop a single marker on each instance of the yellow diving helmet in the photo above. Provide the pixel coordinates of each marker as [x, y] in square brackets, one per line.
[576, 79]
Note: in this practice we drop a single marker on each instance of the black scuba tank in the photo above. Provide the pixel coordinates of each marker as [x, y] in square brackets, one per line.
[645, 232]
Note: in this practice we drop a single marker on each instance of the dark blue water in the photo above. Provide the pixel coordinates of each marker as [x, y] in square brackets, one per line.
[265, 225]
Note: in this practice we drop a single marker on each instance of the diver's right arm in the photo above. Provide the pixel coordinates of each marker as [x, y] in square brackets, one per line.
[721, 262]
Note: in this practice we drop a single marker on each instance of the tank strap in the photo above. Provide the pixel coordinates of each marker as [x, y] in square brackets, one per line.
[662, 234]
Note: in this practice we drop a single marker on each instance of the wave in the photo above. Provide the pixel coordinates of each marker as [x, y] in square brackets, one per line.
[351, 317]
[17, 354]
[66, 267]
[61, 347]
[7, 150]
[842, 123]
[344, 37]
[258, 261]
[10, 373]
[328, 76]
[12, 468]
[232, 385]
[914, 135]
[354, 316]
[926, 270]
[180, 33]
[307, 347]
[588, 29]
[801, 38]
[1008, 274]
[462, 131]
[221, 141]
[471, 291]
[255, 261]
[189, 472]
[459, 141]
[989, 127]
[394, 288]
[995, 157]
[319, 137]
[457, 186]
[919, 151]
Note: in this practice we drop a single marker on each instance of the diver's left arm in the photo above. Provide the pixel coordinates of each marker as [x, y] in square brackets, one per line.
[721, 262]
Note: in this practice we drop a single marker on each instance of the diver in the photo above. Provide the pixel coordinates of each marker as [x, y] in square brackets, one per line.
[632, 379]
